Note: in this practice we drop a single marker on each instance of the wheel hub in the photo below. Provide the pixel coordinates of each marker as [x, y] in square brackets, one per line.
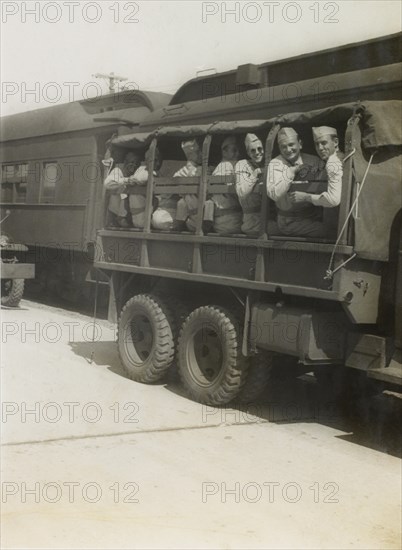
[206, 356]
[141, 338]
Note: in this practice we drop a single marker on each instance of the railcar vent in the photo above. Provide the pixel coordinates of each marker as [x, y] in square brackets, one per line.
[248, 75]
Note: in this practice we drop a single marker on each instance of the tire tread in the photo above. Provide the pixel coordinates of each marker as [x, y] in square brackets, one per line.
[164, 351]
[13, 298]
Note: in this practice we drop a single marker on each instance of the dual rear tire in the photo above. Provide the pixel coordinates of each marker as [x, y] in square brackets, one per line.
[208, 353]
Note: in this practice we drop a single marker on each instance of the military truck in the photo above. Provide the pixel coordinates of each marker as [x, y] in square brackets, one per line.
[224, 304]
[224, 307]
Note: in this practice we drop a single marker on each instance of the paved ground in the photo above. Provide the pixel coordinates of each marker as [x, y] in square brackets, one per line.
[93, 460]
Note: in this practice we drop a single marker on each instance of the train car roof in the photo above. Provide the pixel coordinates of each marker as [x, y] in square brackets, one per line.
[129, 107]
[376, 52]
[377, 83]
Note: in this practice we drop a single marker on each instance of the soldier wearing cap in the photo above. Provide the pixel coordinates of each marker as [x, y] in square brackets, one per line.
[121, 176]
[137, 201]
[187, 206]
[227, 211]
[327, 147]
[300, 219]
[248, 176]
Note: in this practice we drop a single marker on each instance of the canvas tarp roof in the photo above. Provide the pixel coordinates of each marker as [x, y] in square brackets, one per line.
[381, 124]
[141, 139]
[133, 141]
[381, 120]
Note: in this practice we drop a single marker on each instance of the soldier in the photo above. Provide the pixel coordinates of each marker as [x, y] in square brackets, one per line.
[116, 182]
[187, 207]
[248, 176]
[294, 218]
[227, 211]
[327, 146]
[137, 201]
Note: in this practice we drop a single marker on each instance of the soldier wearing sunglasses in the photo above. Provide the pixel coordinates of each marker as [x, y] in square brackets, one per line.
[248, 177]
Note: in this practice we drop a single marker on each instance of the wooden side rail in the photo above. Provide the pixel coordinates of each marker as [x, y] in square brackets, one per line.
[177, 189]
[216, 185]
[161, 181]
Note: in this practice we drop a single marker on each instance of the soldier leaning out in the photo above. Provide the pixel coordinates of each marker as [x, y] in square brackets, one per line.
[116, 183]
[294, 218]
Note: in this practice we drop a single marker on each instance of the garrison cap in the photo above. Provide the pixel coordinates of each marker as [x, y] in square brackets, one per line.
[287, 133]
[190, 146]
[250, 140]
[320, 131]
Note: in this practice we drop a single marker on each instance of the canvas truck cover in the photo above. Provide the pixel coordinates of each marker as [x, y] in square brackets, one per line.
[187, 131]
[133, 141]
[380, 124]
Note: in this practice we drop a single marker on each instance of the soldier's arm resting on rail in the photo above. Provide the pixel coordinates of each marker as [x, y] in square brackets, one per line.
[182, 173]
[279, 178]
[140, 176]
[332, 196]
[115, 181]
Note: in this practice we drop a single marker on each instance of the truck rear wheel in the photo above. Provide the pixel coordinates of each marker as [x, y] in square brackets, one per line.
[211, 365]
[146, 338]
[12, 291]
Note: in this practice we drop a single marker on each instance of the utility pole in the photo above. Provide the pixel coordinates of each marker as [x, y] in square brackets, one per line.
[111, 78]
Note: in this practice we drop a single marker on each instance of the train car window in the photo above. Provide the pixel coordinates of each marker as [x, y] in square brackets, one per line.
[50, 176]
[14, 182]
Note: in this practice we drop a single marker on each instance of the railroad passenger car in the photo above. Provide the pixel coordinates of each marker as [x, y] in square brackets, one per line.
[51, 180]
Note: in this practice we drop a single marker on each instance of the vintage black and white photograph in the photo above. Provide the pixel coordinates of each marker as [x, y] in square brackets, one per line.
[201, 274]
